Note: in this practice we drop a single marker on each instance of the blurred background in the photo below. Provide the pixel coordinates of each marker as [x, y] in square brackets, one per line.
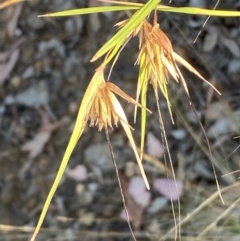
[44, 71]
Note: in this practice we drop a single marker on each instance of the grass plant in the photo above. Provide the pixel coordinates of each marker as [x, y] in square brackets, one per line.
[158, 64]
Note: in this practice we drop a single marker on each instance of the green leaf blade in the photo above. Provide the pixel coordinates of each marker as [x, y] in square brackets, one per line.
[199, 11]
[134, 21]
[83, 11]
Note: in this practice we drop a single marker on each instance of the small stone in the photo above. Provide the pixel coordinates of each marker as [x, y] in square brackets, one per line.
[153, 226]
[232, 47]
[99, 156]
[219, 128]
[2, 109]
[55, 44]
[87, 219]
[197, 3]
[16, 81]
[80, 188]
[234, 66]
[210, 41]
[202, 169]
[72, 79]
[69, 26]
[92, 187]
[35, 96]
[69, 234]
[73, 107]
[179, 134]
[157, 204]
[9, 100]
[85, 197]
[35, 22]
[191, 116]
[28, 73]
[78, 173]
[18, 32]
[130, 169]
[70, 64]
[20, 131]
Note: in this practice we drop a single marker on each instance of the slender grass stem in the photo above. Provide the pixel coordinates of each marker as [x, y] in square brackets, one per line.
[119, 182]
[165, 146]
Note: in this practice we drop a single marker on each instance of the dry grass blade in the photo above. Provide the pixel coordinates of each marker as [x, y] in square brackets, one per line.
[230, 173]
[191, 69]
[220, 217]
[10, 232]
[205, 22]
[200, 207]
[198, 140]
[166, 146]
[9, 3]
[230, 155]
[205, 149]
[209, 151]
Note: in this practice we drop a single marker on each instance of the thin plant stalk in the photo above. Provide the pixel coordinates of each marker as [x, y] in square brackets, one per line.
[119, 182]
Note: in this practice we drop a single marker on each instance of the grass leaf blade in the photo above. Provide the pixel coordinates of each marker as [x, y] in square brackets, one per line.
[91, 10]
[76, 134]
[122, 34]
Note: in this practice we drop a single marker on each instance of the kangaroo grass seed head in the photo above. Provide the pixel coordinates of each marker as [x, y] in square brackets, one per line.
[105, 110]
[104, 107]
[101, 107]
[157, 63]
